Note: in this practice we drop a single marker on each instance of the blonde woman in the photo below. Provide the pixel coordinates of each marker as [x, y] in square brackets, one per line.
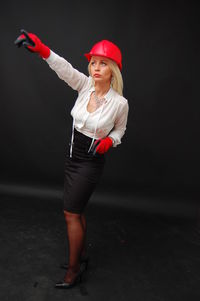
[99, 122]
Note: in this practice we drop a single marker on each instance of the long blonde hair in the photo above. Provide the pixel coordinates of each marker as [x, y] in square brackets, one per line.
[116, 81]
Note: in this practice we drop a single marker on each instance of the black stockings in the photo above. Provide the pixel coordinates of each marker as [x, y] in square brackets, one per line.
[76, 232]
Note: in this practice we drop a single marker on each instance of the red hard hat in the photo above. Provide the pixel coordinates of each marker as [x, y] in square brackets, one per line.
[107, 49]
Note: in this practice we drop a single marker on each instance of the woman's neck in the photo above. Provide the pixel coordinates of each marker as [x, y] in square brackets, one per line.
[101, 90]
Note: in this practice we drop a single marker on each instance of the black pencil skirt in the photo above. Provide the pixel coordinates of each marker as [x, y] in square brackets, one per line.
[82, 173]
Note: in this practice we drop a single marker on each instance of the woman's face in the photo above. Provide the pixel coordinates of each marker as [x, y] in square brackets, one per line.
[100, 69]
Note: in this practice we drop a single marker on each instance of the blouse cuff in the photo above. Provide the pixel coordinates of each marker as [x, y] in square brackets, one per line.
[51, 57]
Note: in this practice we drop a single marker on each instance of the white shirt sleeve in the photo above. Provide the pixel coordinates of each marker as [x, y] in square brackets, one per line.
[120, 123]
[65, 71]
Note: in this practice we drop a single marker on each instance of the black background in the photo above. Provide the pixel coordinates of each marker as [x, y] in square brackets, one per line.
[159, 41]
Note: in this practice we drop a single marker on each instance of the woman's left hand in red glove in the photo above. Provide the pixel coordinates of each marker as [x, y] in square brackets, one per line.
[32, 43]
[103, 145]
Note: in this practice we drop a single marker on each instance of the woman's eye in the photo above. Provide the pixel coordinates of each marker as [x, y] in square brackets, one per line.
[103, 63]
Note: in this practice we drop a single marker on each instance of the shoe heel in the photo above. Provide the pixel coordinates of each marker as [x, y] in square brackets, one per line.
[86, 263]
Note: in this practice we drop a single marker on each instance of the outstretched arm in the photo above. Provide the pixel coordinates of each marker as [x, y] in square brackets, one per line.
[62, 67]
[65, 71]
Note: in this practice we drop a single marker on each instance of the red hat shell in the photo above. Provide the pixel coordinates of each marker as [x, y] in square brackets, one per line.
[106, 49]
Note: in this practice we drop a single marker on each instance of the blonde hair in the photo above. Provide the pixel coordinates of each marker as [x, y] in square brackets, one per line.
[116, 81]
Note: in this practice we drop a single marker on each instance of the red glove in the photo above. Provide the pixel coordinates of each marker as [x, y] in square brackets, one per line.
[103, 145]
[33, 43]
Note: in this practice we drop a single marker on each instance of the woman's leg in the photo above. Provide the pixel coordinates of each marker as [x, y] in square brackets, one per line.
[83, 220]
[76, 238]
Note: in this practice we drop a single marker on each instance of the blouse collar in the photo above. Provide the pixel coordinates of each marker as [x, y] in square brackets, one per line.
[107, 96]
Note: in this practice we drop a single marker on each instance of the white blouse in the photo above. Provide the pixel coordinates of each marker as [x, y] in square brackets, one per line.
[109, 119]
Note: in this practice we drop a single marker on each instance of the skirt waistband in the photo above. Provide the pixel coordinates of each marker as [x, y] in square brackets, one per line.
[78, 136]
[81, 146]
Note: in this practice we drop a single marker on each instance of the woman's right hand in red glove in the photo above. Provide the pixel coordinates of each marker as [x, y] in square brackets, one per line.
[32, 43]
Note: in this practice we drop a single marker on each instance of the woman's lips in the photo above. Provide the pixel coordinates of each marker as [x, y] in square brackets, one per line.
[97, 75]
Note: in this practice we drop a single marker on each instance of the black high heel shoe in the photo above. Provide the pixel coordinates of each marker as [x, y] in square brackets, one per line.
[84, 263]
[67, 285]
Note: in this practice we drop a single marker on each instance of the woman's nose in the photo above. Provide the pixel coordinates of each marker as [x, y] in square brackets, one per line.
[96, 67]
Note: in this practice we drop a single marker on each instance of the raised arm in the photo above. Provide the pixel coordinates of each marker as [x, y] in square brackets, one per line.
[75, 79]
[65, 71]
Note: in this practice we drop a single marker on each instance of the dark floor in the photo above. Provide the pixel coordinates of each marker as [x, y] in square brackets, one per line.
[135, 255]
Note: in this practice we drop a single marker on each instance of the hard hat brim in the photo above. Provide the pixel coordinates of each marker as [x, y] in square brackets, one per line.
[89, 55]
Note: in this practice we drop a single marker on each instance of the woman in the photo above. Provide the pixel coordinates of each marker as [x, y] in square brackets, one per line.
[99, 122]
